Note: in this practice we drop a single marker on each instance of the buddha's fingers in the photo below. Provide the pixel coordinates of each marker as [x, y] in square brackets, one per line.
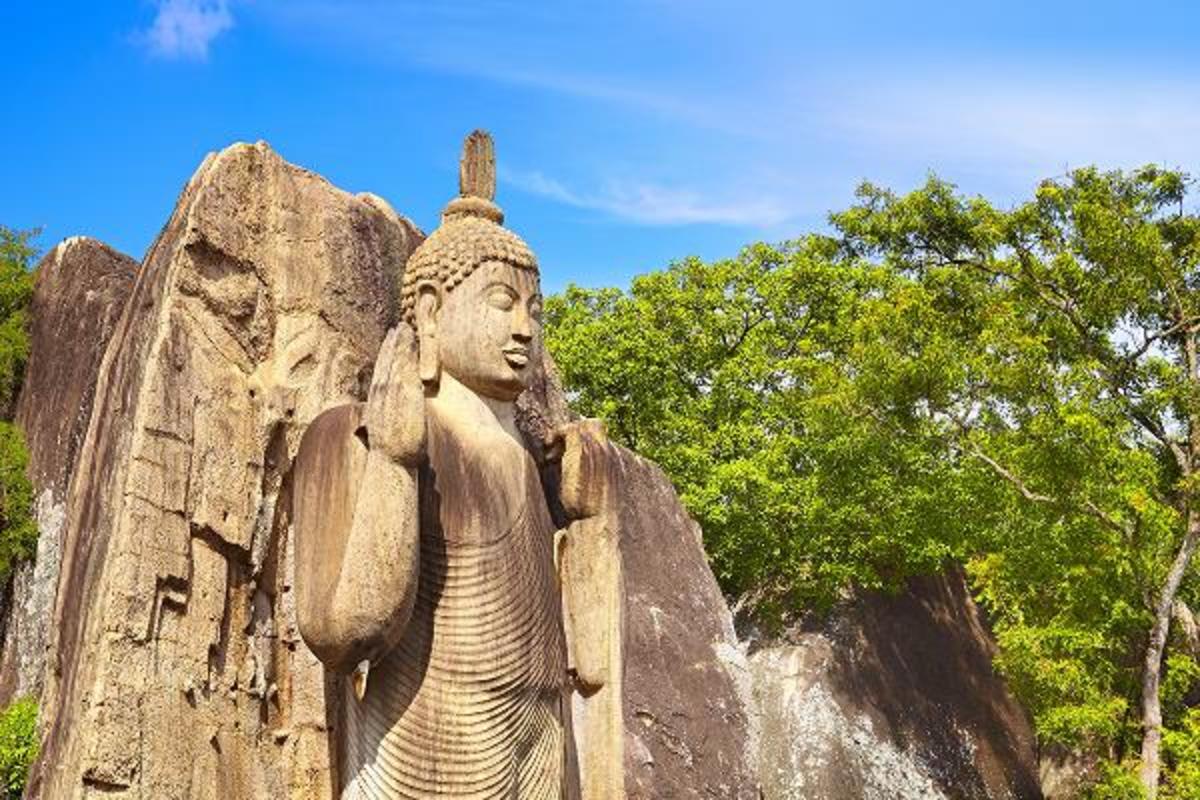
[395, 412]
[587, 462]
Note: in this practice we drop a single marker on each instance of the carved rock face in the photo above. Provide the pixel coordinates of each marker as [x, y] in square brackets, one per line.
[489, 331]
[176, 670]
[80, 290]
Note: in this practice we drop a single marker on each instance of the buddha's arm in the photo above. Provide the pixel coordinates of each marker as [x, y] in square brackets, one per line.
[357, 522]
[593, 602]
[593, 586]
[357, 542]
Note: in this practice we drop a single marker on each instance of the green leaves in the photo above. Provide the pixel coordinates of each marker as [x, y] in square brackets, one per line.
[1181, 748]
[16, 289]
[937, 381]
[1116, 782]
[18, 533]
[1065, 356]
[18, 745]
[745, 380]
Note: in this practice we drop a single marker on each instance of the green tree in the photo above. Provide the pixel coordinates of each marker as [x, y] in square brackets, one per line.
[18, 531]
[1182, 750]
[16, 289]
[1082, 393]
[18, 534]
[739, 378]
[940, 380]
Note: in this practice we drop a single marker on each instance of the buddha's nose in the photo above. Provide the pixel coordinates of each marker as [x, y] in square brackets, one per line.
[522, 329]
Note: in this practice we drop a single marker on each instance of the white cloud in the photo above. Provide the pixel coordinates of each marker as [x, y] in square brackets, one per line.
[761, 133]
[652, 204]
[1026, 122]
[186, 28]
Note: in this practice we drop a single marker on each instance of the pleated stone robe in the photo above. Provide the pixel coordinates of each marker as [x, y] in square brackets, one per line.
[473, 702]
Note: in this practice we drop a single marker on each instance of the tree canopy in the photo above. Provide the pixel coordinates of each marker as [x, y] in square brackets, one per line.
[938, 380]
[16, 289]
[744, 380]
[18, 533]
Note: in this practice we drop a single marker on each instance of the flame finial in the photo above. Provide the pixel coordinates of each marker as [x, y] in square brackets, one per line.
[477, 170]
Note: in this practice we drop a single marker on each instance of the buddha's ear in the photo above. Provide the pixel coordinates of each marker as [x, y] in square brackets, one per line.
[428, 310]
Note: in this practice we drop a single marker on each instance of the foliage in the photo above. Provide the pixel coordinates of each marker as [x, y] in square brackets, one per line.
[16, 289]
[18, 534]
[1117, 782]
[1079, 393]
[743, 379]
[939, 379]
[18, 745]
[18, 531]
[1181, 681]
[1181, 748]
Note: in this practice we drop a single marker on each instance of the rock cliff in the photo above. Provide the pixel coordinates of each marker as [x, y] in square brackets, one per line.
[689, 731]
[79, 292]
[892, 697]
[175, 668]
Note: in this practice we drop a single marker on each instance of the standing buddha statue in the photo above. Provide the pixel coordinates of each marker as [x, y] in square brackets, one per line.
[428, 565]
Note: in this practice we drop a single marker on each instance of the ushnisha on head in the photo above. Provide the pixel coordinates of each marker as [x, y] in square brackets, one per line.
[470, 291]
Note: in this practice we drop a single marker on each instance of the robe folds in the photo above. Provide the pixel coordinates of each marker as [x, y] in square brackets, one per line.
[473, 702]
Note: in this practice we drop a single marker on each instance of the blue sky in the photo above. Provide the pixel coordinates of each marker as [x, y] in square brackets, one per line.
[628, 134]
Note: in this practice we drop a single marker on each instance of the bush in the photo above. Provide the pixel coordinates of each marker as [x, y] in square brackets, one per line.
[16, 290]
[18, 534]
[18, 531]
[18, 745]
[1181, 751]
[1117, 782]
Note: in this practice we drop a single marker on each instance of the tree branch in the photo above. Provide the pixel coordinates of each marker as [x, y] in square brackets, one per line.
[1089, 507]
[1020, 485]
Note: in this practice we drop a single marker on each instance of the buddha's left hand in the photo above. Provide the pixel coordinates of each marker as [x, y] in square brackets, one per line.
[587, 466]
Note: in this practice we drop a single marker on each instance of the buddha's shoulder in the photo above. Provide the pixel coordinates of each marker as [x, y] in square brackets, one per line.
[331, 428]
[334, 442]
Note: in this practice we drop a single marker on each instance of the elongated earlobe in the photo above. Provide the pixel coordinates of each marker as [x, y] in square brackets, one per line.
[428, 304]
[427, 360]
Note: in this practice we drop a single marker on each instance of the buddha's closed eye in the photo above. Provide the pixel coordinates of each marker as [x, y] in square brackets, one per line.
[501, 298]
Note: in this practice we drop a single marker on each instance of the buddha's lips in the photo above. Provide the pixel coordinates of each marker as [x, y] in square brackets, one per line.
[516, 356]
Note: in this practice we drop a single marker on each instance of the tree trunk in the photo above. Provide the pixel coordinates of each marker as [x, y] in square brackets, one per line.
[1152, 668]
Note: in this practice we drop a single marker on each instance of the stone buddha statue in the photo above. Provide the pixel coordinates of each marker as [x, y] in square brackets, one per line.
[429, 571]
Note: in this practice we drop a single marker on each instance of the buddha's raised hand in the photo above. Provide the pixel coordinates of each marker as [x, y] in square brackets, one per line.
[395, 410]
[587, 462]
[357, 520]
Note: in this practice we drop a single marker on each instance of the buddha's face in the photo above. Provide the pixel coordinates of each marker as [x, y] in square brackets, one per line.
[489, 330]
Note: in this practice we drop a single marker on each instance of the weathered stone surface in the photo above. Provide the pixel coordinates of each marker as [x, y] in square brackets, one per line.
[80, 290]
[689, 725]
[1066, 775]
[895, 697]
[689, 731]
[456, 651]
[176, 667]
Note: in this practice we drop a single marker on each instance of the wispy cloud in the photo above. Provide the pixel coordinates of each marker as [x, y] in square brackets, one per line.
[1019, 119]
[736, 126]
[186, 28]
[652, 204]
